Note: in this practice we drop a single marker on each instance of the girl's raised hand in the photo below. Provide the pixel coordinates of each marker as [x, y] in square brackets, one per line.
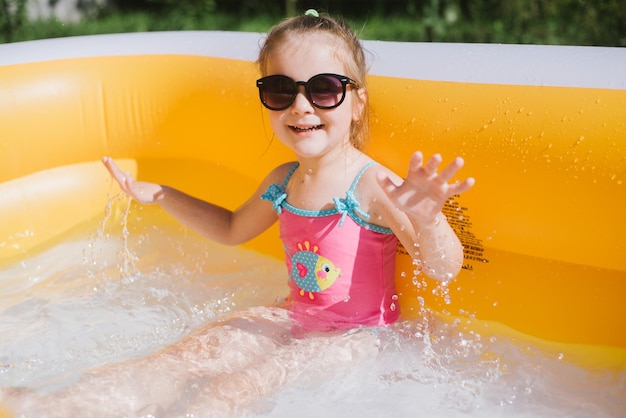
[140, 191]
[424, 191]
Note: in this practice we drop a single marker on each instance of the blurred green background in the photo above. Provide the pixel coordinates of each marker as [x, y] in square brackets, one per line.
[554, 22]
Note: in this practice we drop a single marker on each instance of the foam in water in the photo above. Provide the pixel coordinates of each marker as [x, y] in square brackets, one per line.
[138, 320]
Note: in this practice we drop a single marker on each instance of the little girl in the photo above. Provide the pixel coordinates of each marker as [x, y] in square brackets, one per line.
[340, 213]
[341, 216]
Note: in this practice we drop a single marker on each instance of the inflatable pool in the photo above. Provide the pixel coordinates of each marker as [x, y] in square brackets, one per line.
[541, 128]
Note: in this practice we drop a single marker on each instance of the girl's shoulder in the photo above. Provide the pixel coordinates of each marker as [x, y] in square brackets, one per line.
[371, 195]
[369, 178]
[279, 173]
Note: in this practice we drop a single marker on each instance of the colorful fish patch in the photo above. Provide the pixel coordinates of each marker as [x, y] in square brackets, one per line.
[311, 271]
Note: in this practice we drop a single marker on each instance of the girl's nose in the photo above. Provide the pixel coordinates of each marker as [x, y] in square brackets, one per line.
[301, 104]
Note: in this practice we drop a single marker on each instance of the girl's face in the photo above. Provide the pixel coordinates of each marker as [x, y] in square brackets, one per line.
[311, 132]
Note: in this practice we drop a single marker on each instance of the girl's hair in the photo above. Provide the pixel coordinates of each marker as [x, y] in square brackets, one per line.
[352, 56]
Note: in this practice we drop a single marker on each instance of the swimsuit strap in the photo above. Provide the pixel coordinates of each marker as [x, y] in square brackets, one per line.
[349, 206]
[289, 174]
[358, 176]
[276, 194]
[346, 207]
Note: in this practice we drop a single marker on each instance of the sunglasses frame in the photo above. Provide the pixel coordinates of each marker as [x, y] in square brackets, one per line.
[344, 80]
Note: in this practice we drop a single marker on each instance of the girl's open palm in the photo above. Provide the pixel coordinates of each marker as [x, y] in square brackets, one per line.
[424, 191]
[140, 191]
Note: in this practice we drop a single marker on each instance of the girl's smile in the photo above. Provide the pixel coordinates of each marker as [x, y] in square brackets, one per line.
[305, 128]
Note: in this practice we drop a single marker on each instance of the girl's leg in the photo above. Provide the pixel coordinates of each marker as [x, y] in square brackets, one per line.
[221, 369]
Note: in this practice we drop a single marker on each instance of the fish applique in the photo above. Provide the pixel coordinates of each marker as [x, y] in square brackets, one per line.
[311, 271]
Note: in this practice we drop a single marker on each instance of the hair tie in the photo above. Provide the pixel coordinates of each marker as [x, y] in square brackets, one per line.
[312, 12]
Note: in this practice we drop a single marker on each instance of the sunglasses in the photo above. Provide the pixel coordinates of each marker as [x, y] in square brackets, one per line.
[324, 91]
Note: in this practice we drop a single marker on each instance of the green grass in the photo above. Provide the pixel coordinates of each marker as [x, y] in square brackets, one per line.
[391, 28]
[139, 22]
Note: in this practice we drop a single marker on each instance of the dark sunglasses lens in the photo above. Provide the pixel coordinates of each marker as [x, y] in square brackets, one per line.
[278, 92]
[326, 91]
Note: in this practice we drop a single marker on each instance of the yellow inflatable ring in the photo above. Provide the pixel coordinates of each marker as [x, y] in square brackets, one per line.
[542, 129]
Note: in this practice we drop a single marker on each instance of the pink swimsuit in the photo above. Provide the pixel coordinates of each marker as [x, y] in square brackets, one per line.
[341, 268]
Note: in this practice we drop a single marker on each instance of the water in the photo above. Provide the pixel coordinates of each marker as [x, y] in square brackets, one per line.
[138, 320]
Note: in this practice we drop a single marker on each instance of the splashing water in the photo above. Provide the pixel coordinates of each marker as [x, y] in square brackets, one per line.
[155, 321]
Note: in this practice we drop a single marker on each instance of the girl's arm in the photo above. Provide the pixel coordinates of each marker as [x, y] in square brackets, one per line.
[214, 222]
[413, 211]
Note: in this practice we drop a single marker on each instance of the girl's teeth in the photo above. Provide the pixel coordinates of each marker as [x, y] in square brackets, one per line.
[311, 128]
